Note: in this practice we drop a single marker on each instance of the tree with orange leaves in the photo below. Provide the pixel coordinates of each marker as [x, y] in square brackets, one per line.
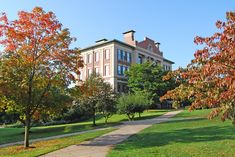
[210, 78]
[36, 65]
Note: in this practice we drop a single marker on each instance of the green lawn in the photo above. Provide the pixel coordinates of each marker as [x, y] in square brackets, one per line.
[182, 138]
[43, 147]
[8, 135]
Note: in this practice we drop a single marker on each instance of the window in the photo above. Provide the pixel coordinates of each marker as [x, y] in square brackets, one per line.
[96, 70]
[89, 58]
[124, 56]
[106, 70]
[150, 48]
[96, 56]
[124, 68]
[119, 87]
[107, 54]
[119, 54]
[140, 59]
[129, 57]
[89, 72]
[119, 70]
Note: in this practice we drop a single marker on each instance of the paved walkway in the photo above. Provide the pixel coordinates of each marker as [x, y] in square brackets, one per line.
[100, 146]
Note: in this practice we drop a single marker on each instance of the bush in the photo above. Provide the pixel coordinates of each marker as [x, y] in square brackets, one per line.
[132, 103]
[75, 114]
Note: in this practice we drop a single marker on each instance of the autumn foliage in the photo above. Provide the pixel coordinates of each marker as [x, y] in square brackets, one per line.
[209, 80]
[37, 64]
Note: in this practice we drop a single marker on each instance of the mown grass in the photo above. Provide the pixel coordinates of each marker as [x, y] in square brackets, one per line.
[8, 135]
[182, 138]
[43, 147]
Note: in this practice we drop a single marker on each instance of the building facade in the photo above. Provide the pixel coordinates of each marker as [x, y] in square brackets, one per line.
[111, 58]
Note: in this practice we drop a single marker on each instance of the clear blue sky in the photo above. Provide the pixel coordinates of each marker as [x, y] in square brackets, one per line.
[173, 23]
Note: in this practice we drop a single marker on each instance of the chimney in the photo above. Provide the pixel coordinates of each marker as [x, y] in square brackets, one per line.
[157, 45]
[129, 37]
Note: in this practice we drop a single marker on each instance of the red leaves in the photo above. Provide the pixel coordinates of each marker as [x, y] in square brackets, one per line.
[38, 54]
[3, 18]
[211, 75]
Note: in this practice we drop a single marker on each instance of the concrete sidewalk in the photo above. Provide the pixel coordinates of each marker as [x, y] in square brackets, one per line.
[100, 146]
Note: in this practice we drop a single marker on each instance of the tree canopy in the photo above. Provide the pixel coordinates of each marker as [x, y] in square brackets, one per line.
[95, 95]
[210, 77]
[148, 78]
[130, 104]
[37, 64]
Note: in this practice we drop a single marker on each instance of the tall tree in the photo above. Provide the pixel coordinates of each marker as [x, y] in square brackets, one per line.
[36, 63]
[210, 77]
[147, 78]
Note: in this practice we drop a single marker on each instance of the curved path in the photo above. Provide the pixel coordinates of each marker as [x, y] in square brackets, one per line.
[100, 146]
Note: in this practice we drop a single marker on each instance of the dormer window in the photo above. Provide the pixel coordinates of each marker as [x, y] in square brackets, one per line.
[150, 48]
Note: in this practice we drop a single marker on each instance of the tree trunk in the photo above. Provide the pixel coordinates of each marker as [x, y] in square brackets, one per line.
[139, 114]
[94, 120]
[94, 117]
[106, 120]
[26, 132]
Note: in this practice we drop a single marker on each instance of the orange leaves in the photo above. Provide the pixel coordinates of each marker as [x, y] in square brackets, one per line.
[210, 78]
[37, 10]
[36, 58]
[3, 18]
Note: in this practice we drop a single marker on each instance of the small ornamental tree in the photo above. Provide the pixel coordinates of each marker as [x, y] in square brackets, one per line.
[107, 101]
[126, 106]
[37, 64]
[209, 80]
[142, 102]
[94, 95]
[131, 104]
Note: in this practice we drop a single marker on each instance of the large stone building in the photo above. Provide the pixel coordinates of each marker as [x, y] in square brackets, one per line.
[111, 58]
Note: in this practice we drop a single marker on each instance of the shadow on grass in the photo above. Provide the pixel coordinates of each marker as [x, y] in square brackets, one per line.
[155, 138]
[9, 135]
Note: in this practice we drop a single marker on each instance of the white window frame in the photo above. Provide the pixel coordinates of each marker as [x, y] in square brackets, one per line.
[89, 71]
[97, 55]
[106, 70]
[107, 54]
[96, 70]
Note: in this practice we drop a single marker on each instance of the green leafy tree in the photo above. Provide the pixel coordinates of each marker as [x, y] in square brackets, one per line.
[148, 78]
[37, 64]
[141, 102]
[131, 104]
[107, 101]
[94, 95]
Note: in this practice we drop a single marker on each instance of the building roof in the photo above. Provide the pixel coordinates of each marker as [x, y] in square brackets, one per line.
[166, 60]
[116, 41]
[105, 43]
[129, 32]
